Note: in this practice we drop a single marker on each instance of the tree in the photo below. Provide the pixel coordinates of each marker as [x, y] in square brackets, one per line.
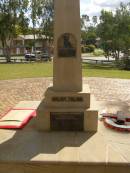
[47, 17]
[88, 30]
[105, 31]
[35, 8]
[114, 31]
[10, 15]
[84, 22]
[94, 20]
[42, 18]
[89, 36]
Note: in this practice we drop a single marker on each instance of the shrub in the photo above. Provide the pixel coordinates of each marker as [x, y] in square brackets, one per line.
[83, 49]
[98, 52]
[88, 48]
[124, 63]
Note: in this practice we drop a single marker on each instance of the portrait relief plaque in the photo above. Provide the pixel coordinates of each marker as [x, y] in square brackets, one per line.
[67, 45]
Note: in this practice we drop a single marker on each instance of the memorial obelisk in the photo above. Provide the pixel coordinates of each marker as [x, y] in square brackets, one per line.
[67, 104]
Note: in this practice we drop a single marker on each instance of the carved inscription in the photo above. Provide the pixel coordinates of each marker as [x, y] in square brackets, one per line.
[67, 99]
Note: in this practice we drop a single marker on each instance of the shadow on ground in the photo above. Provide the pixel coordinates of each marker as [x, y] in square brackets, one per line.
[28, 143]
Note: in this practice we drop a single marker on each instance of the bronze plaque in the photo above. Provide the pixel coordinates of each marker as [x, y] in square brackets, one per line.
[67, 121]
[67, 45]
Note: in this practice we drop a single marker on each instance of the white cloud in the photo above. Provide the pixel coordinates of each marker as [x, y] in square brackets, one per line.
[104, 3]
[83, 5]
[94, 7]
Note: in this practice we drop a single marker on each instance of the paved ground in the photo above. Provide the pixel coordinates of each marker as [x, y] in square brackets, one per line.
[14, 91]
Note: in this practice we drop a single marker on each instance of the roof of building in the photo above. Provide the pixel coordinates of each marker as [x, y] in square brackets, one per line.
[30, 37]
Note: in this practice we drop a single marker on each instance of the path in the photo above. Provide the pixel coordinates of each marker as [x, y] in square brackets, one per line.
[14, 91]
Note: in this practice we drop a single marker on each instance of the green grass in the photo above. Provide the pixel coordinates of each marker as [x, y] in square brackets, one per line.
[108, 71]
[32, 70]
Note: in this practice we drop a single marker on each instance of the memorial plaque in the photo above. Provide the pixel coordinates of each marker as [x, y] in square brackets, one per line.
[67, 45]
[67, 121]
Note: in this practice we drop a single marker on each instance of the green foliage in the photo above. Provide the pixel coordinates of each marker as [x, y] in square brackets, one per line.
[47, 19]
[124, 63]
[98, 52]
[114, 31]
[12, 14]
[88, 29]
[89, 36]
[91, 48]
[88, 48]
[85, 20]
[82, 49]
[42, 12]
[15, 16]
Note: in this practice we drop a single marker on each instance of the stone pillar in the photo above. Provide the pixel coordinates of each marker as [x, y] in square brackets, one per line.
[67, 67]
[67, 104]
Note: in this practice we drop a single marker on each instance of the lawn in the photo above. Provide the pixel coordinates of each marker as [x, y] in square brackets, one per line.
[30, 70]
[108, 71]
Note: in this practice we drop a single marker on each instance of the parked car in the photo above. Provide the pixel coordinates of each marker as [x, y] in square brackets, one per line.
[45, 56]
[30, 57]
[38, 55]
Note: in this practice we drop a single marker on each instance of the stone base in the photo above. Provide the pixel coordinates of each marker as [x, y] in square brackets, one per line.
[30, 151]
[68, 102]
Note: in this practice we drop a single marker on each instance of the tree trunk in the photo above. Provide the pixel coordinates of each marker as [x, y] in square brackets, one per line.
[108, 57]
[118, 54]
[34, 45]
[6, 51]
[8, 54]
[34, 36]
[115, 55]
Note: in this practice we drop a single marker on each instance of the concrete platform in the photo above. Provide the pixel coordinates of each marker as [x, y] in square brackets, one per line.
[27, 105]
[31, 151]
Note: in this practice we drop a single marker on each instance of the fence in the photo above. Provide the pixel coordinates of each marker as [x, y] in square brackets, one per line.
[96, 61]
[22, 60]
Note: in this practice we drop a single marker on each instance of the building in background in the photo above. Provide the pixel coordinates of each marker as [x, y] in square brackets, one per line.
[25, 44]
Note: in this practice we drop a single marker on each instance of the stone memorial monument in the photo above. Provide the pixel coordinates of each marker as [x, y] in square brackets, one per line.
[67, 105]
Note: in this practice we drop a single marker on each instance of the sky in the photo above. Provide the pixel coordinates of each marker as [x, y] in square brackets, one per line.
[94, 7]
